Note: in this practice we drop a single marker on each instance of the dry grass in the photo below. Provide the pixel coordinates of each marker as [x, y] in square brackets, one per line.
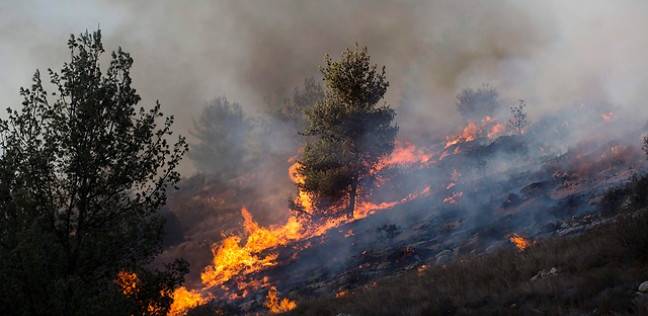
[599, 272]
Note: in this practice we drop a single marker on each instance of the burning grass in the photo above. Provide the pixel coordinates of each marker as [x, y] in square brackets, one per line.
[237, 257]
[597, 273]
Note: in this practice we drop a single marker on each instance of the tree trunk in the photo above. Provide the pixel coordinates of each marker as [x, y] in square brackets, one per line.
[352, 199]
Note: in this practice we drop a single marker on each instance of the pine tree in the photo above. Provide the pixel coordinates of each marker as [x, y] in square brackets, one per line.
[348, 132]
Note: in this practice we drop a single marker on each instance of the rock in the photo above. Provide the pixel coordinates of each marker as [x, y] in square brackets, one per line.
[643, 287]
[491, 249]
[545, 274]
[443, 257]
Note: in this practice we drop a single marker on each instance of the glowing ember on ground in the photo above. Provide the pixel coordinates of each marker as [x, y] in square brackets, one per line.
[277, 305]
[127, 281]
[520, 242]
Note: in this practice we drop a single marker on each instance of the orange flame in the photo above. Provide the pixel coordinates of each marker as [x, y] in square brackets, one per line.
[303, 199]
[520, 242]
[496, 130]
[277, 305]
[488, 127]
[468, 134]
[406, 153]
[341, 293]
[127, 281]
[184, 300]
[236, 257]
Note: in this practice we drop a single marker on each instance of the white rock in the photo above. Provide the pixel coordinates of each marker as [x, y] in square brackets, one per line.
[643, 287]
[545, 274]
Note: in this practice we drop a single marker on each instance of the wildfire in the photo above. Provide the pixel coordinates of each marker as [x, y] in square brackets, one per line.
[230, 258]
[277, 305]
[520, 242]
[184, 299]
[406, 153]
[468, 134]
[303, 199]
[488, 127]
[127, 281]
[496, 130]
[237, 257]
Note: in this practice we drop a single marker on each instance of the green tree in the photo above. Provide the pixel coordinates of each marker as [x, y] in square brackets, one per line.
[348, 132]
[293, 110]
[222, 132]
[83, 173]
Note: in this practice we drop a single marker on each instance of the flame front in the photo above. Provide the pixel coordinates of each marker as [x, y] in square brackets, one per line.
[237, 257]
[184, 299]
[488, 127]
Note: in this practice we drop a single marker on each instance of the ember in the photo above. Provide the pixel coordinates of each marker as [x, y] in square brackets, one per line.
[127, 281]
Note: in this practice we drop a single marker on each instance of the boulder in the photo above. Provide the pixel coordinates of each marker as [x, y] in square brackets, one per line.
[545, 274]
[643, 287]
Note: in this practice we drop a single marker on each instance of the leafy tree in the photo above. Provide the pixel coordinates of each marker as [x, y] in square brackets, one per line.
[518, 121]
[83, 173]
[222, 132]
[475, 104]
[293, 109]
[348, 131]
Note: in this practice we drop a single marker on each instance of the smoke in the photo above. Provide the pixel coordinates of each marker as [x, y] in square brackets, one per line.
[551, 53]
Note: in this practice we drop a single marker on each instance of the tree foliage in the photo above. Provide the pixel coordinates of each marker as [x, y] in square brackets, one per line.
[475, 104]
[348, 131]
[293, 109]
[83, 173]
[222, 131]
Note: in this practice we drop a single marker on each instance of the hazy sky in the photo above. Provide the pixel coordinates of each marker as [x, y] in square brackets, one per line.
[551, 53]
